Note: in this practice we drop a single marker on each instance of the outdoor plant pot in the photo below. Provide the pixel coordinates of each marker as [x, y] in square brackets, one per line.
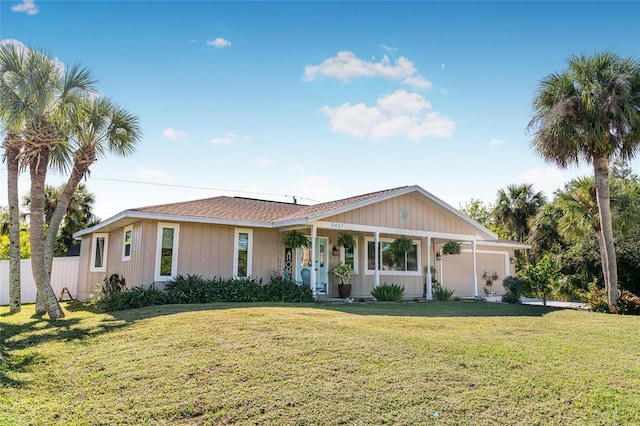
[344, 290]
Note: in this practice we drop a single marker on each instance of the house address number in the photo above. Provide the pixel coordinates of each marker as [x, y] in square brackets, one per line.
[337, 225]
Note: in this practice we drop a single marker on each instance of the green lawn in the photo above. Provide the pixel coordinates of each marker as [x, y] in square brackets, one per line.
[360, 364]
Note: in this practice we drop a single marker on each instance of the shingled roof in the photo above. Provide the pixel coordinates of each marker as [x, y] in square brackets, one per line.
[253, 210]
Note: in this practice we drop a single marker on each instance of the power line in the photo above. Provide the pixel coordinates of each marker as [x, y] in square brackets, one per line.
[194, 187]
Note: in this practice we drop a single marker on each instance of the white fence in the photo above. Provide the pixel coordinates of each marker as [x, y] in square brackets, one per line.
[64, 273]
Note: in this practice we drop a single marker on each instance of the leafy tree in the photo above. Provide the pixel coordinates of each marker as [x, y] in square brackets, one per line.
[478, 211]
[591, 112]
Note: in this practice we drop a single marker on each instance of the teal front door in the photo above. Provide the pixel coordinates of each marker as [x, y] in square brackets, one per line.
[320, 261]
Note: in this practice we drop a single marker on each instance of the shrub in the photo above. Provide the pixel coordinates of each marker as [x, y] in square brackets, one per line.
[136, 297]
[111, 285]
[597, 300]
[628, 304]
[236, 290]
[516, 286]
[190, 289]
[442, 293]
[286, 291]
[510, 297]
[388, 292]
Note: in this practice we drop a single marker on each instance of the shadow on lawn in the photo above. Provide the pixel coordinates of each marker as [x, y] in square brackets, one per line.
[38, 331]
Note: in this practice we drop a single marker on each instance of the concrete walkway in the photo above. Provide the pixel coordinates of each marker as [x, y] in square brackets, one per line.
[551, 303]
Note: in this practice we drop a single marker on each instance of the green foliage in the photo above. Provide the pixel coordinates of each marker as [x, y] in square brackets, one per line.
[452, 247]
[541, 276]
[597, 300]
[346, 239]
[287, 291]
[196, 289]
[343, 272]
[402, 245]
[295, 239]
[190, 289]
[628, 304]
[388, 292]
[516, 286]
[442, 293]
[476, 209]
[136, 297]
[510, 297]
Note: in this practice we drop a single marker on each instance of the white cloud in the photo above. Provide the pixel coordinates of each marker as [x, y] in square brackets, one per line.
[264, 162]
[345, 66]
[224, 140]
[314, 187]
[172, 133]
[297, 168]
[153, 174]
[547, 180]
[388, 48]
[27, 6]
[219, 43]
[398, 114]
[496, 142]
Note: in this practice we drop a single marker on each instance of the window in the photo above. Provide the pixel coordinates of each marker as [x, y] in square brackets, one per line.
[348, 257]
[391, 264]
[99, 252]
[167, 251]
[243, 245]
[126, 244]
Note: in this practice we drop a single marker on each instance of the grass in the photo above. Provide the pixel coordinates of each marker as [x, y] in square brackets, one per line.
[360, 364]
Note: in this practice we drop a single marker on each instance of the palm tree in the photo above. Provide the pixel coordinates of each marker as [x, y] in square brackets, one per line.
[591, 112]
[515, 208]
[97, 127]
[12, 146]
[35, 100]
[78, 216]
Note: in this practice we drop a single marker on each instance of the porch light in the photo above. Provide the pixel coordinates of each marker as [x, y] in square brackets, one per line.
[512, 260]
[335, 251]
[438, 256]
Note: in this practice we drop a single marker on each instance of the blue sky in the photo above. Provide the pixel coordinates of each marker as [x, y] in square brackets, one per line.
[321, 100]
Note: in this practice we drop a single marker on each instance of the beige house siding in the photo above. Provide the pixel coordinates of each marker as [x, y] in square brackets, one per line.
[422, 215]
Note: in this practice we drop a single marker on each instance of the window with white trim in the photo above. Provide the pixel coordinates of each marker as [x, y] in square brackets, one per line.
[242, 253]
[126, 243]
[167, 251]
[348, 256]
[388, 262]
[99, 247]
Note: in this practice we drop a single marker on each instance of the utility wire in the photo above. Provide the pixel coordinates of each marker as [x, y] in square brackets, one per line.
[193, 187]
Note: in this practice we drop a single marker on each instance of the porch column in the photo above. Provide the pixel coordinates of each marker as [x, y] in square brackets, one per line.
[314, 269]
[475, 274]
[429, 290]
[376, 249]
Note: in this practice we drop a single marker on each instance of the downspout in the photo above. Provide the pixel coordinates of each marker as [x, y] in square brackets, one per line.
[376, 248]
[429, 289]
[475, 275]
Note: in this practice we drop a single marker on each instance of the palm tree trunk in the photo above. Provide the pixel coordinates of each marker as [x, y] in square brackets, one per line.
[59, 213]
[38, 172]
[610, 269]
[603, 258]
[12, 151]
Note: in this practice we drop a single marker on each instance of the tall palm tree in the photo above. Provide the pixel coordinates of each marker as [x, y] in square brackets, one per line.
[591, 112]
[12, 146]
[35, 100]
[515, 207]
[97, 127]
[78, 216]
